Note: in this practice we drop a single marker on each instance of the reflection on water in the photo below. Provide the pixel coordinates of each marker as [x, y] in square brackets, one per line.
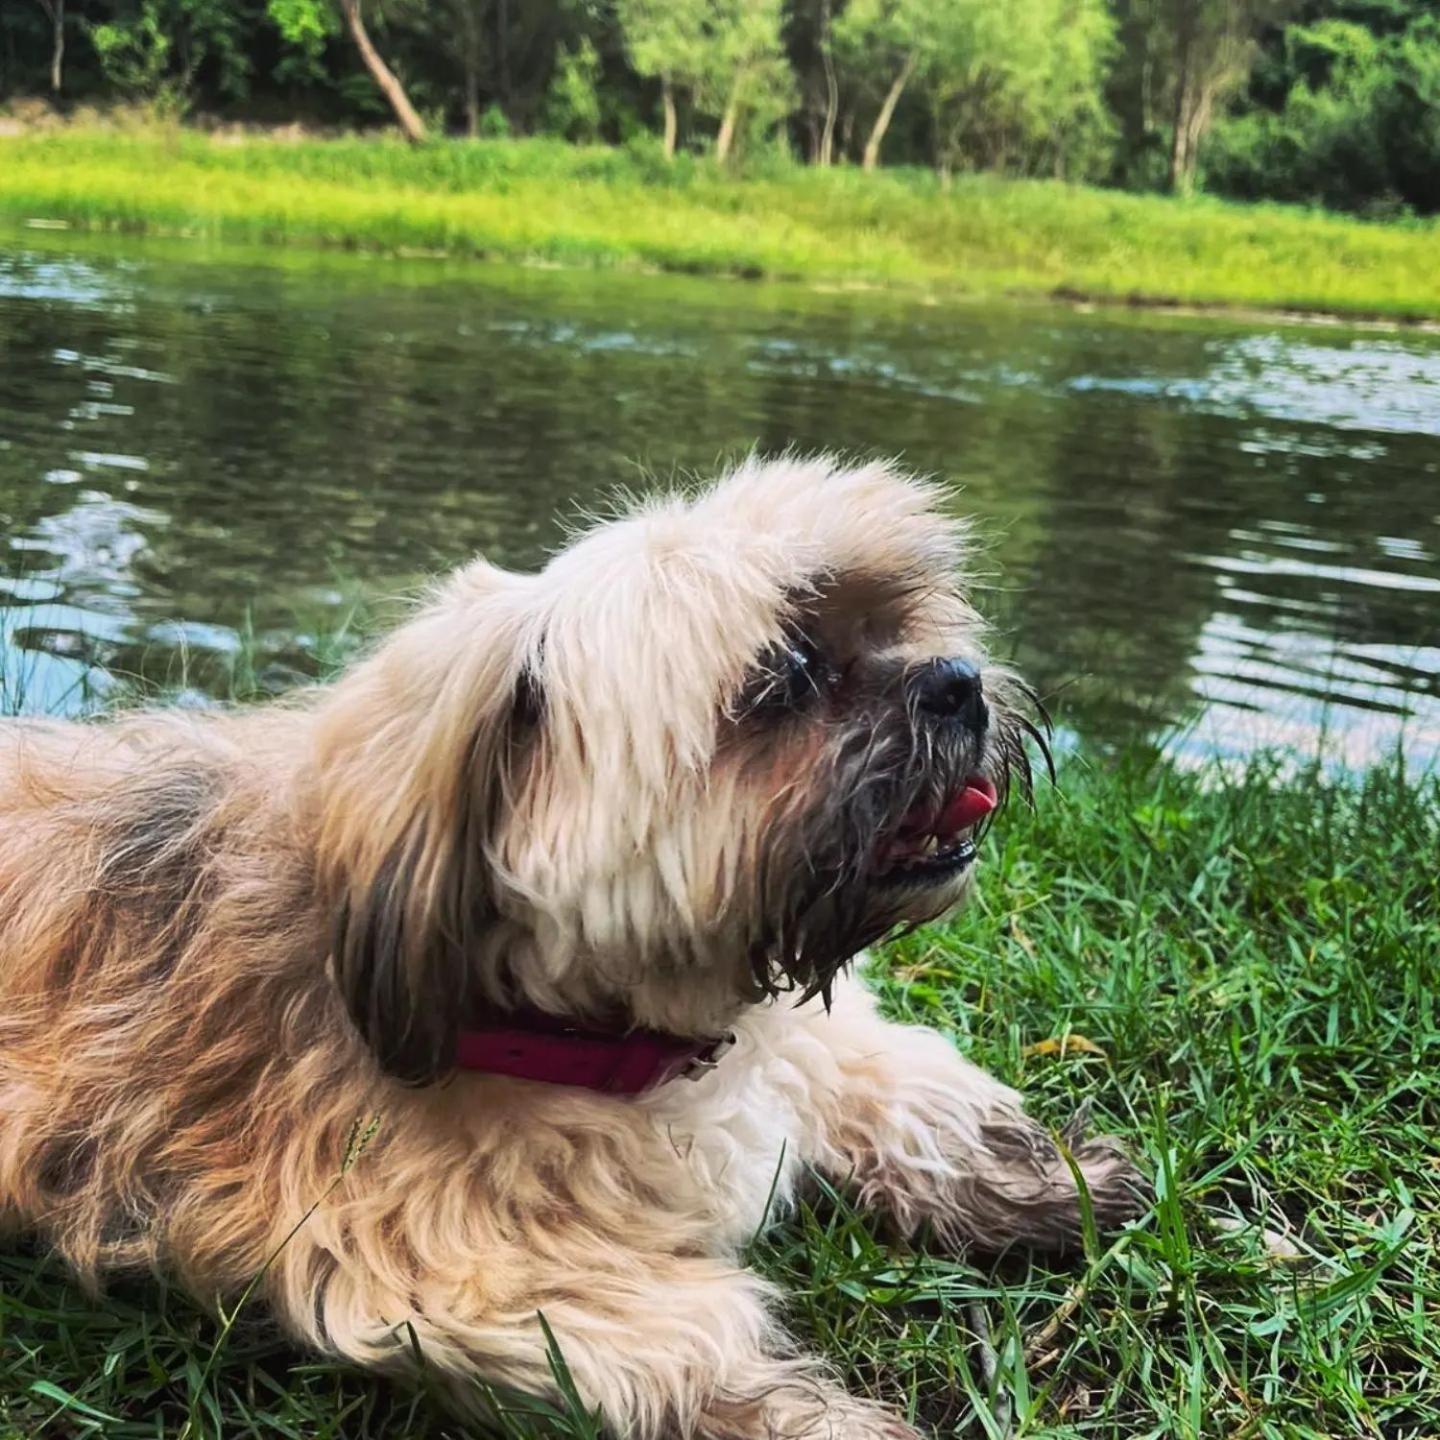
[1377, 386]
[1230, 530]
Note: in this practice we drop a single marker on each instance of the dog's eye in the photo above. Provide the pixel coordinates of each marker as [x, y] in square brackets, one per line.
[789, 676]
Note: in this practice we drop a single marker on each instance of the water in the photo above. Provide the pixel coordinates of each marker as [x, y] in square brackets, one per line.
[1222, 531]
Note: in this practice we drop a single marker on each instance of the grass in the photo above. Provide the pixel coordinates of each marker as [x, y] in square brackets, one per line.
[546, 201]
[1239, 973]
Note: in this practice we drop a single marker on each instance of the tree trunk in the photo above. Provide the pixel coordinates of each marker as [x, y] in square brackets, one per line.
[472, 99]
[1185, 145]
[57, 54]
[887, 113]
[827, 133]
[502, 53]
[832, 90]
[726, 138]
[1202, 108]
[667, 99]
[382, 75]
[472, 53]
[55, 14]
[1181, 165]
[1181, 161]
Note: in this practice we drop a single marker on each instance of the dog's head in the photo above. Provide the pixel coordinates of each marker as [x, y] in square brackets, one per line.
[711, 751]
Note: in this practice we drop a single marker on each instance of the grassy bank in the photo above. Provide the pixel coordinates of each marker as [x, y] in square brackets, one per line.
[1245, 972]
[547, 201]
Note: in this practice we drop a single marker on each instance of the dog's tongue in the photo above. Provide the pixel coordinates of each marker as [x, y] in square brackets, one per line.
[968, 806]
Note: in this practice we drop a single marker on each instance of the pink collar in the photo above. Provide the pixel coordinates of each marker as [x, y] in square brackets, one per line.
[531, 1045]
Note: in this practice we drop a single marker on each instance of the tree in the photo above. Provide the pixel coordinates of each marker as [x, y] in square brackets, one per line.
[385, 79]
[134, 56]
[1212, 47]
[469, 30]
[973, 62]
[55, 13]
[810, 40]
[667, 40]
[1019, 86]
[749, 64]
[1342, 110]
[727, 54]
[572, 105]
[504, 52]
[307, 27]
[883, 39]
[307, 24]
[826, 155]
[1075, 126]
[153, 50]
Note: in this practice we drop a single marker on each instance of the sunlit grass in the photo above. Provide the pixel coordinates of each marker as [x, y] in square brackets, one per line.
[546, 201]
[1239, 973]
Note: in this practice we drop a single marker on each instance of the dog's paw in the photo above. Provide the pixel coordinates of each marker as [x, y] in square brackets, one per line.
[849, 1418]
[1020, 1187]
[813, 1409]
[1117, 1188]
[882, 1425]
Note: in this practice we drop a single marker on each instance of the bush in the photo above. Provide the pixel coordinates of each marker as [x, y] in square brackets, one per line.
[1359, 129]
[572, 104]
[494, 124]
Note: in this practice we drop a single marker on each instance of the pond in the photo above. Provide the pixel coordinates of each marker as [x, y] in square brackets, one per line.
[1224, 533]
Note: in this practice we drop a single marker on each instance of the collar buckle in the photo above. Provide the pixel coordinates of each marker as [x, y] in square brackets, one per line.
[707, 1059]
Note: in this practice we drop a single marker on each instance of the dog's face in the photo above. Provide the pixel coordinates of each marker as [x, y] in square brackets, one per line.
[709, 753]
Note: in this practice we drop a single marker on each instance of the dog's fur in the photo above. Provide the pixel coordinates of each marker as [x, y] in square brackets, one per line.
[225, 938]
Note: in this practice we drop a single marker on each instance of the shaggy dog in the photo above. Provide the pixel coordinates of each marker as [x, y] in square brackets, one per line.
[560, 883]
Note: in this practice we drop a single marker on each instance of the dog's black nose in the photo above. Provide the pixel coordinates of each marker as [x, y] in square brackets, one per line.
[951, 690]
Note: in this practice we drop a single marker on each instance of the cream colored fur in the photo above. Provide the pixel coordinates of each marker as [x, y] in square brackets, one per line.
[225, 940]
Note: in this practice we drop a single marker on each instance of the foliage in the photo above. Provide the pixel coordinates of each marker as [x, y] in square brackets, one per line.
[873, 39]
[1017, 85]
[1333, 102]
[1180, 61]
[493, 123]
[307, 27]
[1014, 87]
[665, 40]
[749, 82]
[135, 56]
[878, 46]
[153, 50]
[1237, 972]
[733, 69]
[572, 104]
[1349, 114]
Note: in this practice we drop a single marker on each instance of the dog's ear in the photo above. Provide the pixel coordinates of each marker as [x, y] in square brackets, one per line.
[417, 753]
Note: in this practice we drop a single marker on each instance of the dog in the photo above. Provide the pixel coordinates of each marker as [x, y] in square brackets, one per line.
[561, 884]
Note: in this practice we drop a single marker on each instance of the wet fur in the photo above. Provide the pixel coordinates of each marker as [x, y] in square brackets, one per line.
[227, 939]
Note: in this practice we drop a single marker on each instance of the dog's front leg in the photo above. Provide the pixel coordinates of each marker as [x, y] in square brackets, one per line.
[664, 1347]
[923, 1134]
